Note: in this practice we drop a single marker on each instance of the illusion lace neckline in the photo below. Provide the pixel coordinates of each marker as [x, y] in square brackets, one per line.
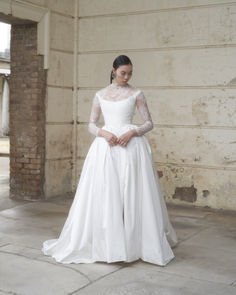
[117, 85]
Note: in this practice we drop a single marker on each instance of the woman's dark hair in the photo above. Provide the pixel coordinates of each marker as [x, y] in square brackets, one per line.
[120, 61]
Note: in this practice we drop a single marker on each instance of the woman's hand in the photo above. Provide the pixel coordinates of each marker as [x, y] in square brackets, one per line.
[110, 137]
[125, 138]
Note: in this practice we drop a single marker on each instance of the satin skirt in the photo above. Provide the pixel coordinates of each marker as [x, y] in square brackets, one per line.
[118, 212]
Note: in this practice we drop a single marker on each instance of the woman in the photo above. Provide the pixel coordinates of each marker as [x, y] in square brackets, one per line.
[118, 212]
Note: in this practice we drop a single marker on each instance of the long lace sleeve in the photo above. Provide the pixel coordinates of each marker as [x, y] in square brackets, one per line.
[145, 114]
[94, 116]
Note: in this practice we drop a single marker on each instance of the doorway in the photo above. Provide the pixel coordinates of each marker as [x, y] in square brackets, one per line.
[27, 84]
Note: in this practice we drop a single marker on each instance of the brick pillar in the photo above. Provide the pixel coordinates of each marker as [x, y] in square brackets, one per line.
[27, 115]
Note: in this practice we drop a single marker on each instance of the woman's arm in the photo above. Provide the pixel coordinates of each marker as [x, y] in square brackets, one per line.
[145, 114]
[94, 116]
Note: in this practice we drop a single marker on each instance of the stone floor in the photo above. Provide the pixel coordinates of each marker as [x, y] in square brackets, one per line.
[204, 263]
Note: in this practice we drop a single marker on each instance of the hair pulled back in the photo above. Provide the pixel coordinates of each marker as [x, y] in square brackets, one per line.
[120, 61]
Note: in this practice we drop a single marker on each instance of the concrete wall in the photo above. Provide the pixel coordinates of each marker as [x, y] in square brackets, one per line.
[184, 60]
[183, 53]
[59, 100]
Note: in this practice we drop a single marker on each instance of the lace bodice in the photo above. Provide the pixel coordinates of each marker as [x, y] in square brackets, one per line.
[117, 103]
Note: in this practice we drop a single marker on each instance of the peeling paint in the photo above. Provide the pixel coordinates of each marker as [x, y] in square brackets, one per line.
[188, 194]
[199, 113]
[205, 193]
[160, 173]
[196, 159]
[232, 82]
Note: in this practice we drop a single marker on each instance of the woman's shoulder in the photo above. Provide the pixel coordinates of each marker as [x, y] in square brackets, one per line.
[101, 91]
[136, 90]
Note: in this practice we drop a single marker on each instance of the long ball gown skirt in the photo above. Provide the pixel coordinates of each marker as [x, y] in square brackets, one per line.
[118, 212]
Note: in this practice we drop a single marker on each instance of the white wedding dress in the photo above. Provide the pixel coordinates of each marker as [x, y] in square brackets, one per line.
[118, 212]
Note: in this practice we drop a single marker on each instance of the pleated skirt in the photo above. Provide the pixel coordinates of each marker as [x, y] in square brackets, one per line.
[118, 212]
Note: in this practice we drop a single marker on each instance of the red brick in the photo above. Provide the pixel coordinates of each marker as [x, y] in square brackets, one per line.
[32, 166]
[27, 114]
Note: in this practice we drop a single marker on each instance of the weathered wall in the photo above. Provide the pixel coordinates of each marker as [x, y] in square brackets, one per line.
[184, 60]
[59, 100]
[58, 123]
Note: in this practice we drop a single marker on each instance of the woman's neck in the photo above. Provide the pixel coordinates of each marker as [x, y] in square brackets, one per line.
[117, 84]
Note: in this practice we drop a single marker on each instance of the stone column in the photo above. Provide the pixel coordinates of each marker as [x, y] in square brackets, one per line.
[5, 108]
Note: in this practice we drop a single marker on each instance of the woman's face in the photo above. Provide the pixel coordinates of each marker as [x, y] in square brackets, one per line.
[123, 74]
